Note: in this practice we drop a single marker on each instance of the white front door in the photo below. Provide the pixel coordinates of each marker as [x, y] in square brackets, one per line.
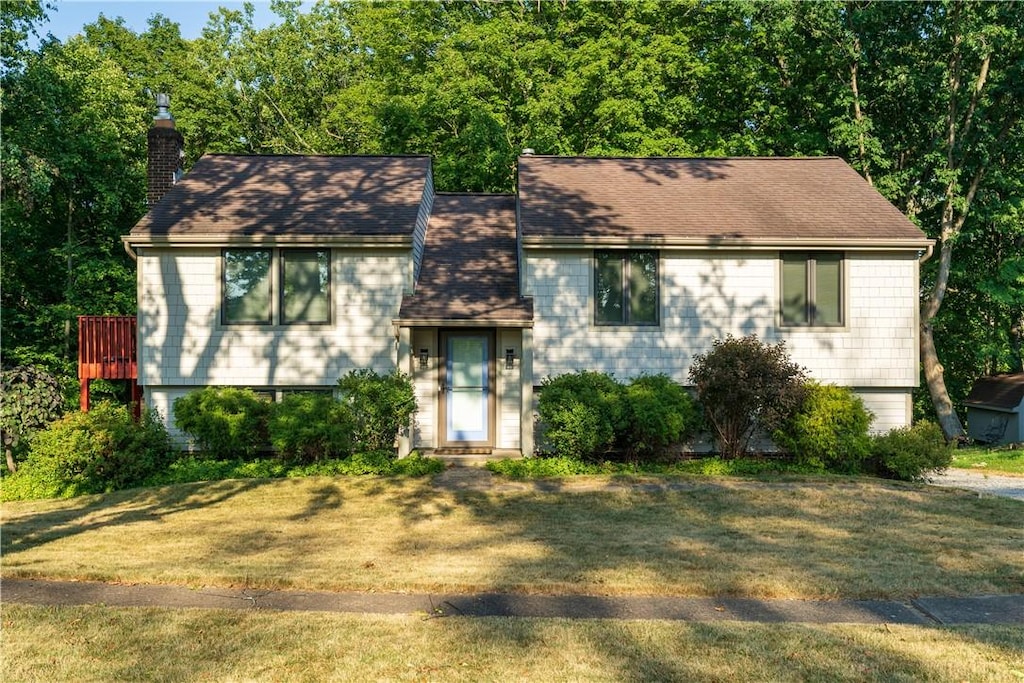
[467, 388]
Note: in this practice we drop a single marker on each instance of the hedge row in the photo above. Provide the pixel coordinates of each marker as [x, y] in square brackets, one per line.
[745, 390]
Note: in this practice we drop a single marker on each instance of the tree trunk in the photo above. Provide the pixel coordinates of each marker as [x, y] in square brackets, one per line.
[10, 460]
[949, 421]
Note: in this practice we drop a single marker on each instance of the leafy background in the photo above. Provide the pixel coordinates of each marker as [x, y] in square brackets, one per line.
[923, 99]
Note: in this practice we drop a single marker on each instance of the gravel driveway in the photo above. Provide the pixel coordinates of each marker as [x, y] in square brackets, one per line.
[992, 484]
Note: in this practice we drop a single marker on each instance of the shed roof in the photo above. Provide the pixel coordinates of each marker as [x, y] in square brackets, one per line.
[469, 271]
[999, 391]
[733, 200]
[233, 195]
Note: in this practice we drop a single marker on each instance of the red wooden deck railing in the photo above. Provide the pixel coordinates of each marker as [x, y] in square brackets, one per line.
[107, 350]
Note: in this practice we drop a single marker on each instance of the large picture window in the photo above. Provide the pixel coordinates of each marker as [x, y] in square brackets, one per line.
[247, 286]
[812, 289]
[626, 288]
[306, 286]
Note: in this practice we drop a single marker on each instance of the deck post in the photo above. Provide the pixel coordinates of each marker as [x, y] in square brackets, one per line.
[83, 395]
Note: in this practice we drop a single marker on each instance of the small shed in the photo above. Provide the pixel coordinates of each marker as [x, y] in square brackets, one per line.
[995, 409]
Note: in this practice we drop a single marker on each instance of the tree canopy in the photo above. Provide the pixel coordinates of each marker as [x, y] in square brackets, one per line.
[923, 99]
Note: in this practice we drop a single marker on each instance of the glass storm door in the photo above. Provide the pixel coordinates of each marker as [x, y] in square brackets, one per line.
[467, 388]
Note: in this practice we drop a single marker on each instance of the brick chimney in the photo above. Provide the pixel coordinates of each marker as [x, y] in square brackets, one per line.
[166, 152]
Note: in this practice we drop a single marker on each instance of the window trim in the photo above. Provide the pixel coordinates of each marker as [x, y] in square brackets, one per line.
[810, 258]
[625, 263]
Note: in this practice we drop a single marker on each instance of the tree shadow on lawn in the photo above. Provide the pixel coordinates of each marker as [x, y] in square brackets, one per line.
[753, 539]
[106, 510]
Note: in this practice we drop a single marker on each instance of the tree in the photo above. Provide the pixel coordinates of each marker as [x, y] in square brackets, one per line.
[31, 400]
[747, 388]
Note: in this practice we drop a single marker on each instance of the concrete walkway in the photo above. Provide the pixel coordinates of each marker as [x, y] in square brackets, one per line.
[990, 609]
[983, 484]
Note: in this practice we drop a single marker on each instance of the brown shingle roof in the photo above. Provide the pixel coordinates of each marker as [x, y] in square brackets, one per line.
[307, 195]
[755, 199]
[469, 263]
[1000, 391]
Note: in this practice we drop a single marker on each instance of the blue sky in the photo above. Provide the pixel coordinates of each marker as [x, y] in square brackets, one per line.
[69, 16]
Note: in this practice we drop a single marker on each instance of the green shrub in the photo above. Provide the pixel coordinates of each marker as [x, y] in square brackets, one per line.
[224, 422]
[532, 468]
[380, 405]
[661, 415]
[581, 414]
[307, 427]
[102, 450]
[746, 387]
[910, 453]
[379, 463]
[31, 400]
[829, 431]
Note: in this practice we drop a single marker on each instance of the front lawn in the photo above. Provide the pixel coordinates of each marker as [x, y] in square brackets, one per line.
[814, 537]
[990, 460]
[106, 644]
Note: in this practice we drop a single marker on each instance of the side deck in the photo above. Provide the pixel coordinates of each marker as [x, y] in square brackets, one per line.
[108, 349]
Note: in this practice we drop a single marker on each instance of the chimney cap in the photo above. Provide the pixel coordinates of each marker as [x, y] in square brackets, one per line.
[163, 107]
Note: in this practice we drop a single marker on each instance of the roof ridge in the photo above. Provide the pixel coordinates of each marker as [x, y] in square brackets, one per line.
[671, 158]
[317, 156]
[475, 194]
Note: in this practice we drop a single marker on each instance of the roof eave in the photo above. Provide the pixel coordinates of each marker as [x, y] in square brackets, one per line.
[725, 242]
[269, 240]
[484, 321]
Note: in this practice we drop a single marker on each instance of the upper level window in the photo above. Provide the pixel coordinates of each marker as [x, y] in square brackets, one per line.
[304, 284]
[306, 288]
[626, 288]
[247, 286]
[812, 289]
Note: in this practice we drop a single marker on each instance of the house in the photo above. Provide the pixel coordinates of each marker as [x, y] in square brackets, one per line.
[995, 409]
[282, 273]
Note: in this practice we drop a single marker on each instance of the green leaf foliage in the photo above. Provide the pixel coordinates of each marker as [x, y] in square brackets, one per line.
[747, 388]
[102, 450]
[31, 400]
[307, 427]
[829, 431]
[662, 415]
[380, 407]
[911, 453]
[581, 414]
[223, 422]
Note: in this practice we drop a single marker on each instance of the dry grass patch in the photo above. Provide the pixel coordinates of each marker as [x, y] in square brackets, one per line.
[813, 539]
[103, 644]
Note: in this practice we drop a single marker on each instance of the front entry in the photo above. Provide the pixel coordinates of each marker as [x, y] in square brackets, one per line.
[467, 389]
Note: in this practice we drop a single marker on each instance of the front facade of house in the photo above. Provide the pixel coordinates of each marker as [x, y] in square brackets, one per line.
[282, 273]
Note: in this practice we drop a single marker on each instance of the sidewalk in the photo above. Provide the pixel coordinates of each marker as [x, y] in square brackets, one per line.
[989, 609]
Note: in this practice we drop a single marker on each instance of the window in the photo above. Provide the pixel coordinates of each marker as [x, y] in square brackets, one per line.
[306, 278]
[247, 286]
[626, 288]
[304, 282]
[812, 289]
